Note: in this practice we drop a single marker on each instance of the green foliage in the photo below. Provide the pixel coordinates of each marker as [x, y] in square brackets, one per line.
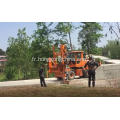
[51, 75]
[2, 77]
[97, 51]
[10, 72]
[19, 56]
[99, 60]
[112, 49]
[2, 52]
[41, 46]
[89, 36]
[63, 30]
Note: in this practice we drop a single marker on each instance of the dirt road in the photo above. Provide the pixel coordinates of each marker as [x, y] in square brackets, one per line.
[76, 88]
[107, 60]
[27, 82]
[83, 82]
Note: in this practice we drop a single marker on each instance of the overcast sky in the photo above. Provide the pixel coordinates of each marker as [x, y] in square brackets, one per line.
[9, 29]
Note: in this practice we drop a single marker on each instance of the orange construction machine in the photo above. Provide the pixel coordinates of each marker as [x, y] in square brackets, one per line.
[66, 65]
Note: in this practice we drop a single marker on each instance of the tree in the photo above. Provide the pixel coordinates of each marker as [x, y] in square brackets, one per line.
[64, 30]
[18, 52]
[2, 52]
[41, 46]
[112, 50]
[89, 36]
[113, 30]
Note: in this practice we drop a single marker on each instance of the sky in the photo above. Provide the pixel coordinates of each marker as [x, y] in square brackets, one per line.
[10, 29]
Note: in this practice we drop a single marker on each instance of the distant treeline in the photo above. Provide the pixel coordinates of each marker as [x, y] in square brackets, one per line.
[2, 52]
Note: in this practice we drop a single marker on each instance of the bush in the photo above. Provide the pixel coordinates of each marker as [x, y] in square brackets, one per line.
[97, 51]
[2, 77]
[99, 60]
[9, 73]
[112, 49]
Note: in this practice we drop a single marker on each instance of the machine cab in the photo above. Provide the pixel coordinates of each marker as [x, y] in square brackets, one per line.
[76, 56]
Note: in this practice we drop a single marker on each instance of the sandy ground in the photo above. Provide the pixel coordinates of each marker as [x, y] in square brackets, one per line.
[83, 82]
[27, 82]
[58, 91]
[76, 88]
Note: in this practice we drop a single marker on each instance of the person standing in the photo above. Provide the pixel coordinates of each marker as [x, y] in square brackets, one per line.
[41, 75]
[92, 66]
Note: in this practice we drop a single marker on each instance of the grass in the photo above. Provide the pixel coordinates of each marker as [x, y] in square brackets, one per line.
[58, 91]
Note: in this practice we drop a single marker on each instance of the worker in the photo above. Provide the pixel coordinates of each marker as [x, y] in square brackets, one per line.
[92, 66]
[41, 75]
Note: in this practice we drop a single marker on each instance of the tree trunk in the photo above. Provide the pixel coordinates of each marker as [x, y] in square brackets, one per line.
[70, 40]
[88, 48]
[18, 74]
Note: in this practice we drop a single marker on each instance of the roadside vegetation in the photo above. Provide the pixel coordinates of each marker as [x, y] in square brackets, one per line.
[112, 49]
[2, 77]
